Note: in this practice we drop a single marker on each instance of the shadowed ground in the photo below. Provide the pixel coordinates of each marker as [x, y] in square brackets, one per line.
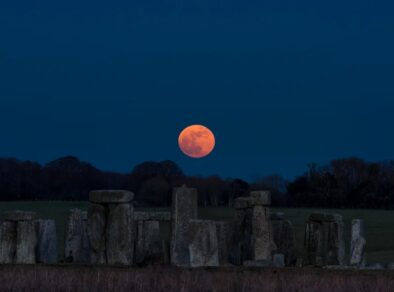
[95, 278]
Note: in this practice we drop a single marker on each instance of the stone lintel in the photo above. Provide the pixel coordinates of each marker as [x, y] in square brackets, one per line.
[18, 215]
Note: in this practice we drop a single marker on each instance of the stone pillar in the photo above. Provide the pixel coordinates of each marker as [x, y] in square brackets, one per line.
[262, 242]
[77, 247]
[284, 237]
[111, 229]
[184, 209]
[324, 244]
[253, 236]
[203, 244]
[241, 231]
[120, 234]
[18, 238]
[47, 242]
[7, 242]
[357, 243]
[149, 246]
[224, 232]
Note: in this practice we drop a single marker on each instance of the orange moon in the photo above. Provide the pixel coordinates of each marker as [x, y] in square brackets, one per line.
[196, 141]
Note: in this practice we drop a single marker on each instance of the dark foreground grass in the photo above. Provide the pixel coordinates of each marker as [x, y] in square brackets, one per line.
[84, 278]
[378, 223]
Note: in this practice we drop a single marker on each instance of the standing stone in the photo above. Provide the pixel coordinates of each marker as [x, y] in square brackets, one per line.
[76, 242]
[224, 234]
[17, 215]
[240, 231]
[284, 237]
[85, 246]
[26, 242]
[96, 232]
[7, 242]
[120, 234]
[336, 244]
[149, 246]
[184, 209]
[47, 242]
[358, 251]
[203, 247]
[262, 237]
[324, 244]
[357, 243]
[252, 235]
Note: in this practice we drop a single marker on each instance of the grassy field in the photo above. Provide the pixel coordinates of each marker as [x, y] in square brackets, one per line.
[379, 224]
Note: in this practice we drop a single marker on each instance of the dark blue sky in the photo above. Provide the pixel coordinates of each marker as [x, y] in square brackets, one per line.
[280, 83]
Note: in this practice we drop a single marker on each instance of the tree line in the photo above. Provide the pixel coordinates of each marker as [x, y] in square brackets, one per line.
[343, 183]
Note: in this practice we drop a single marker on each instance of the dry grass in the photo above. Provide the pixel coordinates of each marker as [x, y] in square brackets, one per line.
[87, 278]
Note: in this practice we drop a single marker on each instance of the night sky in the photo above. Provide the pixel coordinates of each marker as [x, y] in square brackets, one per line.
[280, 83]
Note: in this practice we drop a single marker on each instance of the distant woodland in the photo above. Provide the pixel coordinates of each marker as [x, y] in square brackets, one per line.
[343, 183]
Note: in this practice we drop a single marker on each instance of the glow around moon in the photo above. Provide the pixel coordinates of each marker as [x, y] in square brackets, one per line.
[196, 141]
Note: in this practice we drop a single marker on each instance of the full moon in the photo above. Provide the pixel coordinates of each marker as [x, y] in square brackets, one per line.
[196, 141]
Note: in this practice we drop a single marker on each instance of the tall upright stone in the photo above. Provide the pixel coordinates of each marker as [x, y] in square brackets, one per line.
[203, 244]
[149, 245]
[284, 237]
[253, 235]
[324, 243]
[357, 243]
[7, 241]
[263, 245]
[97, 217]
[19, 237]
[184, 209]
[241, 231]
[150, 248]
[111, 229]
[26, 242]
[224, 230]
[47, 242]
[120, 234]
[76, 246]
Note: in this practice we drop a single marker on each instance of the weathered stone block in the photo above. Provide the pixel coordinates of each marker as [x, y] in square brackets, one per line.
[357, 234]
[26, 242]
[324, 244]
[184, 209]
[7, 242]
[224, 232]
[263, 245]
[149, 247]
[96, 232]
[203, 244]
[110, 196]
[17, 215]
[120, 234]
[260, 198]
[284, 238]
[357, 253]
[47, 242]
[77, 247]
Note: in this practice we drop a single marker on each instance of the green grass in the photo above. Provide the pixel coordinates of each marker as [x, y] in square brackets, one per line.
[379, 223]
